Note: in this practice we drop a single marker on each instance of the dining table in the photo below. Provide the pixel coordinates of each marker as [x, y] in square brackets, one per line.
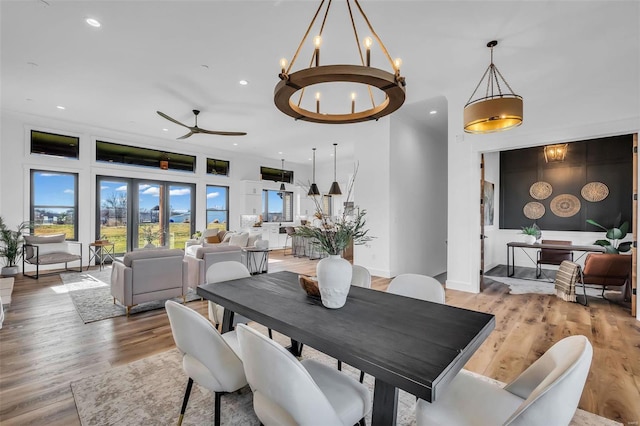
[404, 343]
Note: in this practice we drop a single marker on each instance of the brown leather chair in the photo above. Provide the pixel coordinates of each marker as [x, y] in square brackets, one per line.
[608, 270]
[552, 257]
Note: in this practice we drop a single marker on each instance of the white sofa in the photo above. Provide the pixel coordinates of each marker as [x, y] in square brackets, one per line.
[148, 275]
[201, 256]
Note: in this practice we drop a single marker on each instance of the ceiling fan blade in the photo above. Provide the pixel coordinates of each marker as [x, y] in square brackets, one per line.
[216, 132]
[163, 115]
[185, 136]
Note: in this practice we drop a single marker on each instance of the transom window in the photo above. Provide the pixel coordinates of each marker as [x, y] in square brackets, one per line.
[56, 145]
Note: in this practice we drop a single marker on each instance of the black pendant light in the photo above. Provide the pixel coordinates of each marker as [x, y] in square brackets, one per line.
[335, 188]
[313, 189]
[282, 187]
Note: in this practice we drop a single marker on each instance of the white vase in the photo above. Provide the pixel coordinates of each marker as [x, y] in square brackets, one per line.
[529, 239]
[334, 280]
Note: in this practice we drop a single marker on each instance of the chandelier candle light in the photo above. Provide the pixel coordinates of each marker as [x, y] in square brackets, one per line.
[495, 111]
[391, 84]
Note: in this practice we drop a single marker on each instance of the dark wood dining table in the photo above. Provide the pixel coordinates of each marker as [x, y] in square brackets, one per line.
[404, 343]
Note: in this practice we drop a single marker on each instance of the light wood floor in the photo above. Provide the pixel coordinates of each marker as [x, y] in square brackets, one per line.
[44, 345]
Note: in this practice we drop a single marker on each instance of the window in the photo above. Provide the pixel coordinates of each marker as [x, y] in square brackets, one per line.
[52, 144]
[217, 167]
[135, 156]
[217, 207]
[277, 206]
[54, 203]
[276, 175]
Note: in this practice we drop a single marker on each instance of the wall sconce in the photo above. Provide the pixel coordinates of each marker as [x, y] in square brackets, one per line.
[164, 162]
[555, 152]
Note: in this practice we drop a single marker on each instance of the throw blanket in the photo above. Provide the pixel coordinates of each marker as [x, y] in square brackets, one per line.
[566, 281]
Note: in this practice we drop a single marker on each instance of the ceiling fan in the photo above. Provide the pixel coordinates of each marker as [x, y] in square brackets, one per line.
[195, 129]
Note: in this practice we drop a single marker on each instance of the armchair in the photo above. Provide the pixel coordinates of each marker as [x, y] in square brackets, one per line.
[49, 250]
[148, 275]
[608, 270]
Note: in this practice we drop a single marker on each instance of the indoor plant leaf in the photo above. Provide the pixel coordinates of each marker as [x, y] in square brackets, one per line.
[624, 247]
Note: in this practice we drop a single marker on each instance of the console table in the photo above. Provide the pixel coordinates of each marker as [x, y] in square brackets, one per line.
[511, 262]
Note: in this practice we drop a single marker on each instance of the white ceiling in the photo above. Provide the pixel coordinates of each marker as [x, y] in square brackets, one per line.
[151, 55]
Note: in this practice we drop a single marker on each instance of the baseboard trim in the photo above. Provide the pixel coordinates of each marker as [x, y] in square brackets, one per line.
[460, 286]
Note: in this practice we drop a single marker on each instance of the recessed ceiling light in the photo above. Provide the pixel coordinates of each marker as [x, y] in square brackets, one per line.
[93, 22]
[235, 144]
[165, 130]
[279, 152]
[243, 82]
[60, 107]
[433, 112]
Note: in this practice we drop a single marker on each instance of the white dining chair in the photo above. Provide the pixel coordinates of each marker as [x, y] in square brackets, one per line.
[417, 286]
[546, 393]
[210, 359]
[361, 277]
[291, 392]
[225, 271]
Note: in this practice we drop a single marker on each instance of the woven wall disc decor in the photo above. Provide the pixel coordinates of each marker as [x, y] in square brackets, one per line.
[540, 190]
[594, 191]
[533, 210]
[565, 205]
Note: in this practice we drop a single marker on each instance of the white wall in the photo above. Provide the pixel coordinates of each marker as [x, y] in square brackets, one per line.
[418, 197]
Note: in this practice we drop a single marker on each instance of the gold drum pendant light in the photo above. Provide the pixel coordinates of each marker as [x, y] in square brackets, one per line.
[313, 189]
[496, 110]
[390, 83]
[335, 187]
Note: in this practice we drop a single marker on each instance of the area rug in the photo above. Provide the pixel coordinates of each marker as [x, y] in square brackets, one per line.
[523, 286]
[91, 295]
[150, 391]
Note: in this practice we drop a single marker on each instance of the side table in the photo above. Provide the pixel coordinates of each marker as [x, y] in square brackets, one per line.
[257, 260]
[100, 252]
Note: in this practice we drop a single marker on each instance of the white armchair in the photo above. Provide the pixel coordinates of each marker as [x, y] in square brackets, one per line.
[40, 250]
[148, 275]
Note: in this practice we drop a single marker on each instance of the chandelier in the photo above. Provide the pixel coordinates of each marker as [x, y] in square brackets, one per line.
[391, 84]
[495, 111]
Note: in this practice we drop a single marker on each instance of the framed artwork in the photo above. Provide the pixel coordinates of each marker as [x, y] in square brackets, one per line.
[488, 198]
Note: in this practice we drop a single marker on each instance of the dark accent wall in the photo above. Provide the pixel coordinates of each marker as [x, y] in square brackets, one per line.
[607, 160]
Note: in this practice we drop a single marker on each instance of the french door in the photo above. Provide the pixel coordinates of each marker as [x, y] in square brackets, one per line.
[134, 213]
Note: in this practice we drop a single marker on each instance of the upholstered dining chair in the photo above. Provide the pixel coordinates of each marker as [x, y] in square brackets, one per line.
[210, 359]
[225, 271]
[417, 286]
[361, 277]
[291, 392]
[546, 393]
[552, 256]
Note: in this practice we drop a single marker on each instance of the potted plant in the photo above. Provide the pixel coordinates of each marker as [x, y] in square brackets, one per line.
[332, 236]
[613, 236]
[11, 247]
[149, 235]
[530, 234]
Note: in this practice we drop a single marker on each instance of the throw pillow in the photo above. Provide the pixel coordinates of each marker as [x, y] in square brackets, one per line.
[41, 239]
[253, 238]
[239, 240]
[228, 236]
[212, 239]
